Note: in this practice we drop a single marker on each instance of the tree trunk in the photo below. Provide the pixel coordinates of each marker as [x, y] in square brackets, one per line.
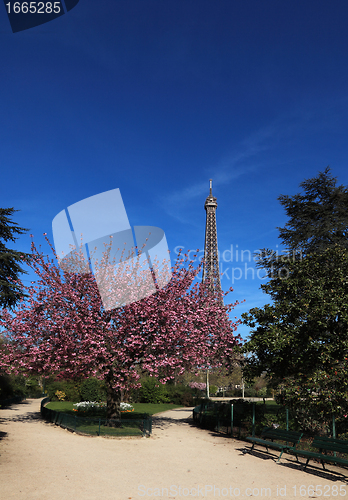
[125, 397]
[113, 400]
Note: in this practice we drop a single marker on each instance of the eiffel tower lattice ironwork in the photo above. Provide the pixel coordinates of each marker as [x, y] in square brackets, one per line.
[211, 269]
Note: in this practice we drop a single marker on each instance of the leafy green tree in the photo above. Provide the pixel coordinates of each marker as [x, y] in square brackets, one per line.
[317, 220]
[301, 340]
[10, 260]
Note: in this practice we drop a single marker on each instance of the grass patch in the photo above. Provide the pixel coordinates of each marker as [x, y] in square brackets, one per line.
[125, 431]
[109, 431]
[62, 406]
[139, 408]
[151, 409]
[273, 408]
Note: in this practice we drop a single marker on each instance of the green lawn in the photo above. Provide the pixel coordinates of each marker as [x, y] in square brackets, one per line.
[130, 424]
[152, 409]
[110, 431]
[139, 408]
[272, 407]
[63, 406]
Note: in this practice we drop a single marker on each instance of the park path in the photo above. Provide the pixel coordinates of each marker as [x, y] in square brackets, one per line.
[41, 461]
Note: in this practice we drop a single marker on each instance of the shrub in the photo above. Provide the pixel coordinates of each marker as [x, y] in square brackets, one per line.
[91, 390]
[72, 391]
[52, 387]
[18, 385]
[213, 390]
[70, 388]
[32, 387]
[250, 392]
[186, 399]
[152, 391]
[60, 395]
[7, 387]
[180, 394]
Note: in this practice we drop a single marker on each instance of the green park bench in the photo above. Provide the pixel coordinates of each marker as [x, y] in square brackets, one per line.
[269, 434]
[324, 445]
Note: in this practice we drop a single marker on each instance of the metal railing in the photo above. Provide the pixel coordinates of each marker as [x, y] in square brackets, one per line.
[230, 417]
[98, 426]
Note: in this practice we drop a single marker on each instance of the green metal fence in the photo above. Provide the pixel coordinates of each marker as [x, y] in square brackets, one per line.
[228, 417]
[244, 418]
[238, 417]
[98, 426]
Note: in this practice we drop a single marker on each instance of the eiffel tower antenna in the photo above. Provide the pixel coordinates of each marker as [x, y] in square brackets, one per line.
[211, 258]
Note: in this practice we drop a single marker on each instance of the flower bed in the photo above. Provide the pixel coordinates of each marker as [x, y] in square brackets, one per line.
[126, 408]
[135, 425]
[95, 407]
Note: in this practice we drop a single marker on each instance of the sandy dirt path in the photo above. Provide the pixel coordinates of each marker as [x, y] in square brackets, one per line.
[41, 461]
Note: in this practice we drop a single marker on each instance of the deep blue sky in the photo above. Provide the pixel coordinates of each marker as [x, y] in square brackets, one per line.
[155, 97]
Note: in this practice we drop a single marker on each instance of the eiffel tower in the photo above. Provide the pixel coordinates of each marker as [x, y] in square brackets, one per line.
[211, 269]
[211, 257]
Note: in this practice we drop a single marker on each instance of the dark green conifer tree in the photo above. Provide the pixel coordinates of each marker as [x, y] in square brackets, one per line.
[11, 290]
[317, 220]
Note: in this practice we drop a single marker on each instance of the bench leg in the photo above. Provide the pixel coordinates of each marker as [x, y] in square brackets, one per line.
[280, 456]
[304, 468]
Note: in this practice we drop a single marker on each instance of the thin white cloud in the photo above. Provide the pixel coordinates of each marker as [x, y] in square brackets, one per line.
[246, 158]
[228, 169]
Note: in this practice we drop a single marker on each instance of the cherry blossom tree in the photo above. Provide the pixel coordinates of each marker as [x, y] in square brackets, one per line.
[63, 328]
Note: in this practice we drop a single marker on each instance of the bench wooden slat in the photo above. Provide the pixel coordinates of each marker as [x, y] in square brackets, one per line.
[270, 444]
[325, 444]
[268, 434]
